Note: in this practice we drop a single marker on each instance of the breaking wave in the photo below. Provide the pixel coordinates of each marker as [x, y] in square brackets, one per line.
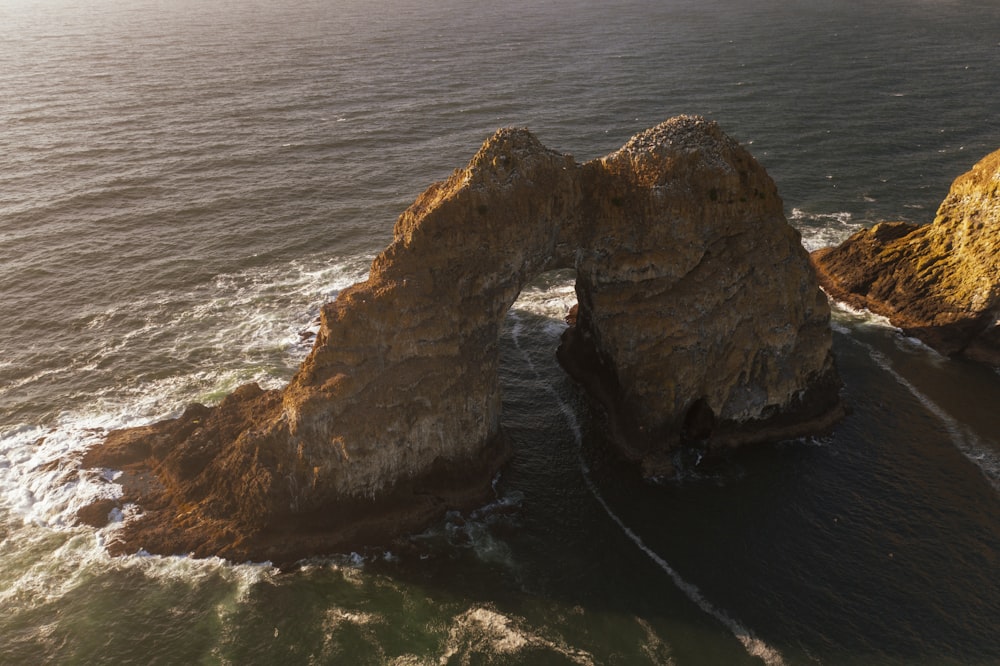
[230, 323]
[821, 230]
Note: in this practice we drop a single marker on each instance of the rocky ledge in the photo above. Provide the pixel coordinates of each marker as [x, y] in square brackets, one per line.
[700, 322]
[938, 282]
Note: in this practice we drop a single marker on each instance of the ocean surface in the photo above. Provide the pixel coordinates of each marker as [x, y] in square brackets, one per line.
[184, 183]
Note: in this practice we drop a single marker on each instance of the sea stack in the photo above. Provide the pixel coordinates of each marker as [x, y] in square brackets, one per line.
[938, 282]
[700, 322]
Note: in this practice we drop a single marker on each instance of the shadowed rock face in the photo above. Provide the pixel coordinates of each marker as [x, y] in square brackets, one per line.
[939, 282]
[699, 320]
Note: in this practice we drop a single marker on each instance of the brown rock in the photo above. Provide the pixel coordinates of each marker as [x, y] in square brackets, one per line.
[698, 313]
[938, 282]
[96, 514]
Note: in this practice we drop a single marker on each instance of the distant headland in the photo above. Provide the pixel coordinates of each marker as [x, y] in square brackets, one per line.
[700, 323]
[938, 282]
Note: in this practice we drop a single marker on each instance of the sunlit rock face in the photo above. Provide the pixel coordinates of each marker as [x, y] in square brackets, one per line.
[700, 322]
[939, 282]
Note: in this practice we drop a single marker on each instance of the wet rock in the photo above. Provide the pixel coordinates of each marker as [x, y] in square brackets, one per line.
[938, 282]
[97, 513]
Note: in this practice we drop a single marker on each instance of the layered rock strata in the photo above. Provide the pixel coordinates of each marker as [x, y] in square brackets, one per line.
[699, 320]
[939, 282]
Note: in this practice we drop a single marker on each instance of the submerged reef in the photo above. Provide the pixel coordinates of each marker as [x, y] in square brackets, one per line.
[938, 282]
[700, 320]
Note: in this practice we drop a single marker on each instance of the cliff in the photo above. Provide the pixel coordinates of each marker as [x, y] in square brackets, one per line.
[699, 321]
[938, 282]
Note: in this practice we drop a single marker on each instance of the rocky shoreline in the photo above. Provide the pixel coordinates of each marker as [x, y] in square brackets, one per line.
[813, 412]
[701, 313]
[938, 282]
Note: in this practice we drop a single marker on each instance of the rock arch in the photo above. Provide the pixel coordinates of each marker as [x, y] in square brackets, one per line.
[698, 310]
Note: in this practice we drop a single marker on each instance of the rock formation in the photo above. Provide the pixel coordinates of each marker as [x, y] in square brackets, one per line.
[699, 321]
[938, 282]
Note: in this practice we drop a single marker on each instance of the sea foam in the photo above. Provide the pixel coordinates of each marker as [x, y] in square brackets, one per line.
[753, 645]
[965, 440]
[821, 230]
[238, 314]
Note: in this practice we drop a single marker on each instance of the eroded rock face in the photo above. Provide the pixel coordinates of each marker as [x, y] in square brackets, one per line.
[699, 319]
[939, 282]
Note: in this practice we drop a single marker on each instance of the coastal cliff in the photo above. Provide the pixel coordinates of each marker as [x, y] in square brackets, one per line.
[938, 282]
[700, 322]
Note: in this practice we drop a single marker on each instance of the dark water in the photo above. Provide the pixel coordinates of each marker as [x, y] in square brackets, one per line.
[185, 183]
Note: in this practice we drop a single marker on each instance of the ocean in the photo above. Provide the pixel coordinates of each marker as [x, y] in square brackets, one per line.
[185, 183]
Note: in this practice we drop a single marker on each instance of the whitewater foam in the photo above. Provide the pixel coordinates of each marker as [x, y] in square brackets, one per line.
[750, 642]
[41, 483]
[821, 230]
[966, 441]
[475, 532]
[49, 564]
[239, 315]
[844, 314]
[483, 629]
[655, 649]
[251, 325]
[40, 479]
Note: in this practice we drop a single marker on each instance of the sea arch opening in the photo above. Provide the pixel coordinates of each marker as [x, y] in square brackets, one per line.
[691, 287]
[532, 327]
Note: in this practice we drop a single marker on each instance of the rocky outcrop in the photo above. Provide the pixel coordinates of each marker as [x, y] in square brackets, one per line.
[699, 321]
[938, 282]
